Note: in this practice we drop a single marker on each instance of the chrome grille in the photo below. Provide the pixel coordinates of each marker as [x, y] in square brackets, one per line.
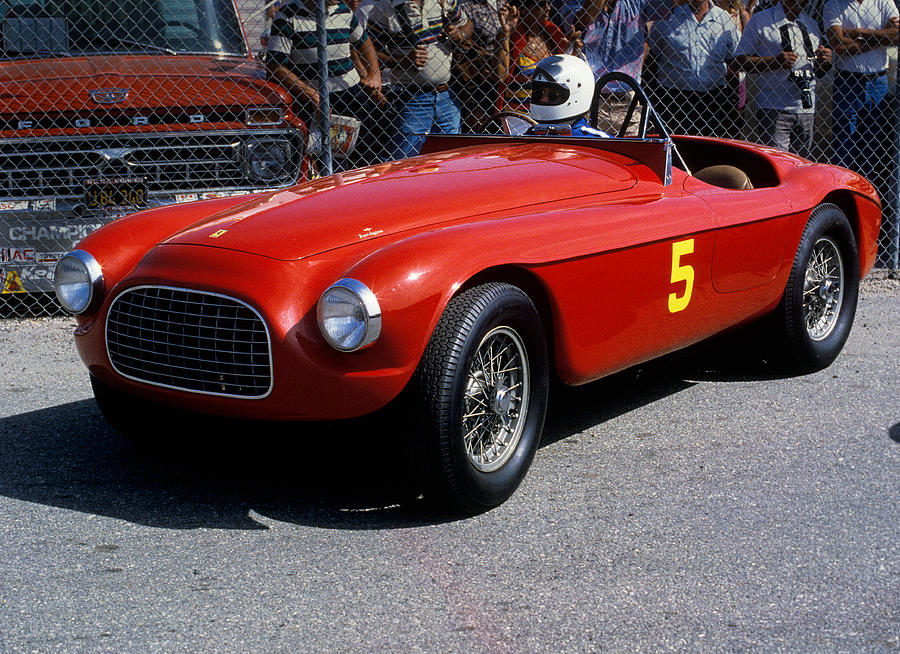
[189, 340]
[191, 161]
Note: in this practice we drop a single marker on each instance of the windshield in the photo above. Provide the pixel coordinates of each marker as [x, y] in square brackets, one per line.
[38, 28]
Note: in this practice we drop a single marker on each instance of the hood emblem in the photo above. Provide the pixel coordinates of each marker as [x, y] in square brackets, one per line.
[109, 96]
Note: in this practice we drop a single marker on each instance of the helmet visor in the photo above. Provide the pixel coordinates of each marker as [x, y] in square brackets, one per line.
[549, 94]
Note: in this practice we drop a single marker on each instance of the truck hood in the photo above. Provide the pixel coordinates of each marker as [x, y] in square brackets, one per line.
[152, 82]
[477, 182]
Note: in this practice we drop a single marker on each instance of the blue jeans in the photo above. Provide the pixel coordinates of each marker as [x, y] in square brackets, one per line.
[860, 112]
[419, 112]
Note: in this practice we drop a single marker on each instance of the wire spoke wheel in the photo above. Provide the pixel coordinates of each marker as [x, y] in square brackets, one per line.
[481, 386]
[496, 399]
[819, 300]
[823, 288]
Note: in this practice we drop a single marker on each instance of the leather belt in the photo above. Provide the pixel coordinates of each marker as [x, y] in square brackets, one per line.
[440, 88]
[861, 76]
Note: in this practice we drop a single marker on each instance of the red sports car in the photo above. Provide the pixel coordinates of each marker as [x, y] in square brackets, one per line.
[467, 277]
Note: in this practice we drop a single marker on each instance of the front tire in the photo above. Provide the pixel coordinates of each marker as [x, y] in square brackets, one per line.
[482, 383]
[820, 298]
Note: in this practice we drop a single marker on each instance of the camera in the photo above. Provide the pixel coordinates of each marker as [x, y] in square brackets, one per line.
[803, 78]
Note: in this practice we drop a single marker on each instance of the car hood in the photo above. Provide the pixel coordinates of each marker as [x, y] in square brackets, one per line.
[477, 182]
[64, 84]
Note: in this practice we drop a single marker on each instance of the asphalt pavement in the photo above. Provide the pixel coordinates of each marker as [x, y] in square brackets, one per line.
[705, 503]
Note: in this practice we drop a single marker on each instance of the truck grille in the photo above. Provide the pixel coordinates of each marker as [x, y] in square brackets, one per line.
[191, 161]
[189, 340]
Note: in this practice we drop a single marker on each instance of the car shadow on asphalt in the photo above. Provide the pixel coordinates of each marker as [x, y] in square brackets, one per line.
[741, 355]
[229, 475]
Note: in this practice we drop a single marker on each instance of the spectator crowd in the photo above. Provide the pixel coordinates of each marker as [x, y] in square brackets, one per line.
[401, 68]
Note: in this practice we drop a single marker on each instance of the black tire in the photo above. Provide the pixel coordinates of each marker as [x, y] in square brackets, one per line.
[819, 303]
[452, 385]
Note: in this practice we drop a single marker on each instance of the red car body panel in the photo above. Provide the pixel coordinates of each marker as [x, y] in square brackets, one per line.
[598, 240]
[155, 83]
[272, 226]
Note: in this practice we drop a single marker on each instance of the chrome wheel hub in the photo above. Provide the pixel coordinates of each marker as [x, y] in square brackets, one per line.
[496, 399]
[502, 401]
[823, 289]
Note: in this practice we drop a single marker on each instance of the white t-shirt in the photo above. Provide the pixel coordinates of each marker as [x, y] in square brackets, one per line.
[870, 14]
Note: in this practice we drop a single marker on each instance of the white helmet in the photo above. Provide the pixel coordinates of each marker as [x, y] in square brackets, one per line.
[562, 88]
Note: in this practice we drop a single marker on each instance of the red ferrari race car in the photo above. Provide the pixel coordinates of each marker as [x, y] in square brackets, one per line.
[466, 278]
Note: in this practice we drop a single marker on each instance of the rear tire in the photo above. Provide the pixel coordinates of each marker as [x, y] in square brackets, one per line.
[482, 387]
[819, 302]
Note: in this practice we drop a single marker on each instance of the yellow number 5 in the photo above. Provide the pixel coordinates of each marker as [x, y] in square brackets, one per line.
[681, 273]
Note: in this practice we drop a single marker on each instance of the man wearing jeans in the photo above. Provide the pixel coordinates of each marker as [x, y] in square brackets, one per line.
[860, 32]
[413, 38]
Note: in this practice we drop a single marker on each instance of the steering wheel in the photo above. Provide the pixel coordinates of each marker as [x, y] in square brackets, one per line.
[499, 122]
[648, 113]
[639, 98]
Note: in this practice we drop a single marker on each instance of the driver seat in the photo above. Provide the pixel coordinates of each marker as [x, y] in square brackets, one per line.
[725, 176]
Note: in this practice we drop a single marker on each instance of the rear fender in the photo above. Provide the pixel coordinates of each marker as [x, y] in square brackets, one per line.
[850, 191]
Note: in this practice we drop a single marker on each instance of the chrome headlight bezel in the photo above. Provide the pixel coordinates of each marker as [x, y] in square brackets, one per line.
[263, 116]
[78, 281]
[255, 161]
[349, 315]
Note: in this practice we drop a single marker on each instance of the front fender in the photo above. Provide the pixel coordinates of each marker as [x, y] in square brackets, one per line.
[414, 279]
[120, 245]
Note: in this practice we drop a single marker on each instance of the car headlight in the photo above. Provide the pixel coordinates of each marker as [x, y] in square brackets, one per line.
[268, 160]
[78, 281]
[349, 315]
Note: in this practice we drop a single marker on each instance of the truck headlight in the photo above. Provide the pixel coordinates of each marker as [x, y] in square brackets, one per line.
[349, 315]
[268, 161]
[78, 281]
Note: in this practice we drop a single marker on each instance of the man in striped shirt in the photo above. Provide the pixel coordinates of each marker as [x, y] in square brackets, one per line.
[292, 60]
[414, 39]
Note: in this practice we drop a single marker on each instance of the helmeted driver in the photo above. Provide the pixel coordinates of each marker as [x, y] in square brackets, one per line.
[562, 88]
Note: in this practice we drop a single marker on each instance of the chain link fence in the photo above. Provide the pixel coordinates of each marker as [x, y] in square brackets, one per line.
[108, 107]
[111, 106]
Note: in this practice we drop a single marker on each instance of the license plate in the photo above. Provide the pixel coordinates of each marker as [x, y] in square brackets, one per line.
[115, 193]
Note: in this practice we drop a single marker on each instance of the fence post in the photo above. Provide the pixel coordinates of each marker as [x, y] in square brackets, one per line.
[895, 228]
[324, 102]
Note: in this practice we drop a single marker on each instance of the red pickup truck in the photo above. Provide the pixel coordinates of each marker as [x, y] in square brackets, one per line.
[110, 106]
